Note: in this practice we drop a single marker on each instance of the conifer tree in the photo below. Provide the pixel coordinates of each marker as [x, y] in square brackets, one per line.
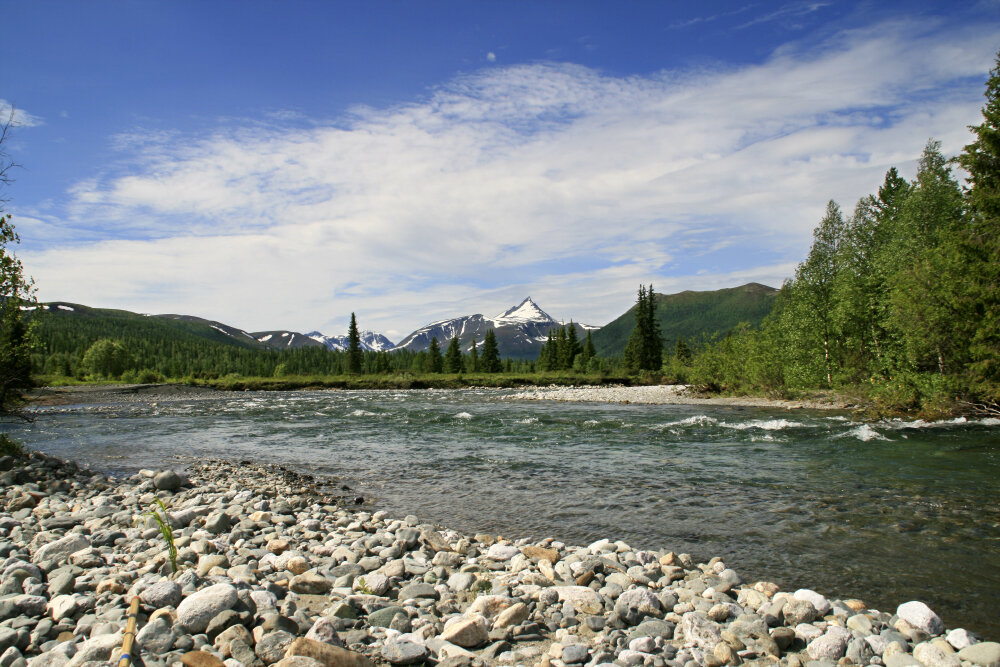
[453, 357]
[572, 345]
[434, 364]
[981, 242]
[634, 346]
[473, 358]
[490, 360]
[653, 343]
[354, 357]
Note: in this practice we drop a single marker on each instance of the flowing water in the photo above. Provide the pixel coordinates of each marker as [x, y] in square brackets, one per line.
[885, 512]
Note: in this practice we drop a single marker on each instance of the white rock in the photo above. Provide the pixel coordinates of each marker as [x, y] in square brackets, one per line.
[502, 552]
[819, 601]
[929, 655]
[196, 610]
[920, 616]
[62, 548]
[959, 638]
[584, 600]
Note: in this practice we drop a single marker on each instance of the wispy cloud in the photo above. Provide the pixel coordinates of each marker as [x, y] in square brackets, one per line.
[550, 179]
[711, 17]
[20, 117]
[786, 13]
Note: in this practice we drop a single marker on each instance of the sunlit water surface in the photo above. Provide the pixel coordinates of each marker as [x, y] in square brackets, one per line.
[884, 512]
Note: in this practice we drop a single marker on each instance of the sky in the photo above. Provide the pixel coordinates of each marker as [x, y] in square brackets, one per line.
[279, 165]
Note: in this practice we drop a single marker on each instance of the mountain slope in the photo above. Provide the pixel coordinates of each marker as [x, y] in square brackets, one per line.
[368, 340]
[520, 331]
[693, 316]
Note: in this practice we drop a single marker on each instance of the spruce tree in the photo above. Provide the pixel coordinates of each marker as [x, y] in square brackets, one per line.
[490, 360]
[354, 357]
[562, 350]
[453, 357]
[653, 342]
[473, 358]
[634, 346]
[435, 364]
[981, 240]
[572, 345]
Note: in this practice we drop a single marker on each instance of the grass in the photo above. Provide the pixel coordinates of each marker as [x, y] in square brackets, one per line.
[163, 523]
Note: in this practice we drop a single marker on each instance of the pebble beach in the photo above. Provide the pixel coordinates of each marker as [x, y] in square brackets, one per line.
[276, 567]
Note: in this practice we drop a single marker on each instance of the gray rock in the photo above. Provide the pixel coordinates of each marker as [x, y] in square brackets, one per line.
[310, 583]
[197, 610]
[8, 638]
[96, 649]
[219, 522]
[62, 548]
[62, 583]
[167, 480]
[819, 602]
[798, 611]
[416, 591]
[831, 646]
[700, 630]
[271, 647]
[931, 655]
[985, 654]
[402, 652]
[12, 658]
[920, 616]
[635, 604]
[156, 637]
[575, 654]
[383, 617]
[651, 628]
[32, 606]
[164, 593]
[323, 630]
[901, 660]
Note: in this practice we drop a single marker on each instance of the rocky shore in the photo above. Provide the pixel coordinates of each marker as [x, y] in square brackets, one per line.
[272, 570]
[668, 394]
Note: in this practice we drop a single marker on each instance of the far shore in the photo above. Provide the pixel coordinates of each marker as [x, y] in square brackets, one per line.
[675, 394]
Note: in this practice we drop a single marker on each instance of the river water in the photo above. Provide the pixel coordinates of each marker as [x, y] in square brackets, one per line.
[885, 512]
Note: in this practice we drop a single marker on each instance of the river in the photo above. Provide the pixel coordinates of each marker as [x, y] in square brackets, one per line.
[885, 512]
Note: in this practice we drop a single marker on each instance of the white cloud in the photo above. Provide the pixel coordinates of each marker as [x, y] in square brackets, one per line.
[20, 118]
[492, 57]
[550, 179]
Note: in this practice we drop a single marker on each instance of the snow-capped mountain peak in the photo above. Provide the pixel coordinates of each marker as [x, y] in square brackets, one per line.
[369, 340]
[523, 313]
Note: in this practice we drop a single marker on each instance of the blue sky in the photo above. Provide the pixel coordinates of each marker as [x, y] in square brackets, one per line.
[281, 164]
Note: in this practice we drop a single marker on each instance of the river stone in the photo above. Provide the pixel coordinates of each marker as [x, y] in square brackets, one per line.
[931, 655]
[200, 659]
[700, 631]
[461, 581]
[323, 630]
[62, 548]
[512, 616]
[198, 609]
[417, 591]
[329, 656]
[798, 611]
[8, 638]
[310, 583]
[959, 638]
[403, 652]
[164, 593]
[819, 602]
[535, 554]
[62, 606]
[831, 646]
[156, 636]
[575, 654]
[653, 628]
[467, 633]
[32, 606]
[167, 480]
[96, 649]
[920, 616]
[985, 654]
[383, 617]
[584, 600]
[901, 660]
[294, 661]
[272, 646]
[636, 603]
[502, 552]
[219, 522]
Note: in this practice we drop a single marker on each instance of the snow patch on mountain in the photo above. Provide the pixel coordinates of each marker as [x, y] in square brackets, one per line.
[523, 313]
[368, 340]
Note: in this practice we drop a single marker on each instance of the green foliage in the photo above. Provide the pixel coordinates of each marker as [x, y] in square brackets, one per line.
[481, 586]
[453, 357]
[490, 360]
[434, 362]
[354, 357]
[644, 350]
[107, 358]
[158, 512]
[16, 334]
[10, 447]
[363, 588]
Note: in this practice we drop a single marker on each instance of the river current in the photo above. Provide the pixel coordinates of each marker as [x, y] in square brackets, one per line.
[885, 512]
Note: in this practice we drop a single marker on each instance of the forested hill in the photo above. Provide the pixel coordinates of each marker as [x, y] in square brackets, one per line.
[693, 316]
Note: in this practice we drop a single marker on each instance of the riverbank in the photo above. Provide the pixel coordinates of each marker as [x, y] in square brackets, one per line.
[615, 393]
[674, 394]
[275, 568]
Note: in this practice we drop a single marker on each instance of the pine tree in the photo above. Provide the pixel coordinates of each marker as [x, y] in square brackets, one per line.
[652, 354]
[682, 353]
[473, 358]
[572, 345]
[354, 357]
[490, 360]
[434, 364]
[587, 352]
[981, 240]
[453, 357]
[562, 360]
[634, 346]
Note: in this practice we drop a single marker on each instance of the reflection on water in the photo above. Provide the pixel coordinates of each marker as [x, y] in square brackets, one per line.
[885, 512]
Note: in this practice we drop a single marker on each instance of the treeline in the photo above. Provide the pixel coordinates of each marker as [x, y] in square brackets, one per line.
[900, 298]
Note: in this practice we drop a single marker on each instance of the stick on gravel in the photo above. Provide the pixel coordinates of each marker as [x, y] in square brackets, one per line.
[133, 614]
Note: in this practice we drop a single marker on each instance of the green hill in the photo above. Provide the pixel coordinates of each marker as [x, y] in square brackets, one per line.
[693, 316]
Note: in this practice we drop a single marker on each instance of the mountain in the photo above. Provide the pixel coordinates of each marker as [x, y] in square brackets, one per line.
[693, 316]
[520, 331]
[285, 340]
[369, 340]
